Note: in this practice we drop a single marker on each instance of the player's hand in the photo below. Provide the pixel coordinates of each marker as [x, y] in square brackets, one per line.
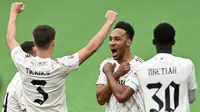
[123, 69]
[108, 68]
[17, 7]
[111, 16]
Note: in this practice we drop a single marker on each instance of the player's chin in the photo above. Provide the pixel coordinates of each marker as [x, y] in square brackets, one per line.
[115, 57]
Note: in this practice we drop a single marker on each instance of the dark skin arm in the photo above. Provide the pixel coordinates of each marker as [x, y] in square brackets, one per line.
[104, 92]
[122, 93]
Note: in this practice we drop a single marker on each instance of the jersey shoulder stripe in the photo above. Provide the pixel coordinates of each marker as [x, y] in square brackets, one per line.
[140, 60]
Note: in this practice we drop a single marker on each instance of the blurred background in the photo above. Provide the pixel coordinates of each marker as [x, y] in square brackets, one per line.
[77, 21]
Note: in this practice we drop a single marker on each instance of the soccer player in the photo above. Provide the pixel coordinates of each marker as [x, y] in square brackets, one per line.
[168, 82]
[13, 101]
[43, 79]
[120, 41]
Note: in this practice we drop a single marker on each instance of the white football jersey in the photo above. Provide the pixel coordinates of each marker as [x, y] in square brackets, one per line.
[43, 80]
[135, 102]
[13, 101]
[165, 81]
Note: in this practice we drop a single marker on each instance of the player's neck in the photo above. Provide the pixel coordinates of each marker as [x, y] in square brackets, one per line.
[164, 49]
[44, 53]
[128, 57]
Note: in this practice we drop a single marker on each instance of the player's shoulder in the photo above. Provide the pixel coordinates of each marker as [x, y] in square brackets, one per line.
[138, 60]
[111, 60]
[144, 64]
[37, 61]
[14, 82]
[185, 61]
[16, 78]
[16, 50]
[67, 58]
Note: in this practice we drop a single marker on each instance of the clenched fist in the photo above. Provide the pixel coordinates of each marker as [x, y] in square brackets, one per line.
[123, 69]
[17, 7]
[108, 68]
[111, 16]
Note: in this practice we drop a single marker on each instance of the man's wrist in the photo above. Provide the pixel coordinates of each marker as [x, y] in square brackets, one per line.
[13, 15]
[110, 22]
[108, 72]
[116, 76]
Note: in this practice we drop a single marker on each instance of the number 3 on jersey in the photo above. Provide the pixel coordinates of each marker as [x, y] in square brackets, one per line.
[40, 90]
[167, 96]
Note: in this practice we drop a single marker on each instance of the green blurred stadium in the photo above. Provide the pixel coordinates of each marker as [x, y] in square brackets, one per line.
[77, 21]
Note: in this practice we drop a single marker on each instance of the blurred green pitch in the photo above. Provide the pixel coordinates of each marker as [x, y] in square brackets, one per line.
[77, 21]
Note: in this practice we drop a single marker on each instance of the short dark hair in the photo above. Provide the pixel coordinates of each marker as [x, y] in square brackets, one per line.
[127, 27]
[43, 35]
[164, 33]
[27, 46]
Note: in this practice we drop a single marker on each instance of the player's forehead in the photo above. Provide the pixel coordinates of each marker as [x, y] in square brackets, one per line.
[117, 33]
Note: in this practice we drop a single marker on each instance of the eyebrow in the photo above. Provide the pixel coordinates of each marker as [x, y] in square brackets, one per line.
[119, 36]
[114, 36]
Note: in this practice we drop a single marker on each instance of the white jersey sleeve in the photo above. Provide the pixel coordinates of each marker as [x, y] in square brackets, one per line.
[20, 97]
[132, 81]
[13, 101]
[192, 83]
[18, 56]
[71, 63]
[102, 77]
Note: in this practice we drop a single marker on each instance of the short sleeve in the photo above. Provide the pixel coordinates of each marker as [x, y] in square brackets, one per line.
[132, 80]
[192, 83]
[10, 103]
[19, 95]
[70, 63]
[102, 77]
[18, 56]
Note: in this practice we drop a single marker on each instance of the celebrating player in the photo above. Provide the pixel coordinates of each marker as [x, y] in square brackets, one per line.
[44, 78]
[108, 86]
[13, 101]
[168, 82]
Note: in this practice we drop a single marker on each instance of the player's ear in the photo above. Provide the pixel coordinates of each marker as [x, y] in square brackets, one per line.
[154, 42]
[34, 43]
[34, 51]
[53, 43]
[173, 42]
[128, 43]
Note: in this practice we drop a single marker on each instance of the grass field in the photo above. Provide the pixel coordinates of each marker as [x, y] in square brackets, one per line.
[77, 21]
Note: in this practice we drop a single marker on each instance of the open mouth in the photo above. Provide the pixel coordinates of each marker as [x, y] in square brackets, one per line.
[114, 52]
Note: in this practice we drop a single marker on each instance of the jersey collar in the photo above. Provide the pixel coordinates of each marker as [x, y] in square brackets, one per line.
[164, 55]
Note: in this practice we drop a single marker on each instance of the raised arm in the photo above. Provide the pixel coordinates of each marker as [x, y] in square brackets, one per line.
[16, 8]
[98, 39]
